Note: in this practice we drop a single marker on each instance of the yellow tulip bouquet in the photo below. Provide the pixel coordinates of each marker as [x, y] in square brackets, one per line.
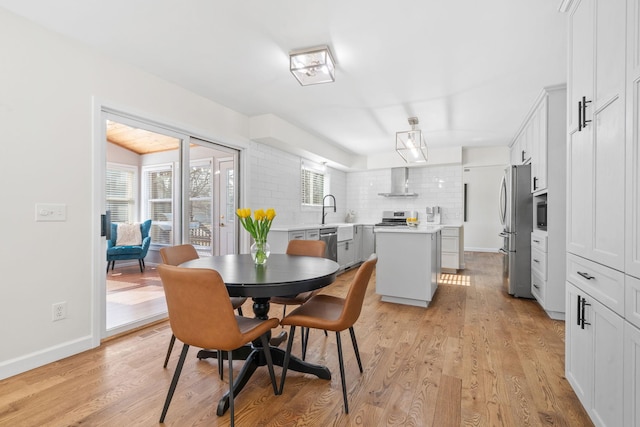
[258, 227]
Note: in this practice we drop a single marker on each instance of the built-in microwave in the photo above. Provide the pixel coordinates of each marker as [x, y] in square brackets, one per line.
[541, 215]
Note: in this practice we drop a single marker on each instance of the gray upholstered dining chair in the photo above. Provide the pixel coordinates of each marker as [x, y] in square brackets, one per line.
[190, 294]
[176, 255]
[332, 314]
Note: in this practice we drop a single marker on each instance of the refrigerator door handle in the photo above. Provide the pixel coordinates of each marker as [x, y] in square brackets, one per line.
[502, 208]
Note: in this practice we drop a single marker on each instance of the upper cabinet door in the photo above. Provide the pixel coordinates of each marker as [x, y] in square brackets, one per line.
[632, 261]
[581, 46]
[596, 181]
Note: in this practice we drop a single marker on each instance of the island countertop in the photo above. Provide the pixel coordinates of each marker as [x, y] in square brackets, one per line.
[428, 229]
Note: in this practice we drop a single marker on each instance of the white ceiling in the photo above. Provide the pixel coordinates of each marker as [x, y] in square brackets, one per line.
[468, 69]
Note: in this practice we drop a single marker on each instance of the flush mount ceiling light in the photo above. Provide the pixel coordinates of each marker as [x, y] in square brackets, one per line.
[312, 66]
[410, 144]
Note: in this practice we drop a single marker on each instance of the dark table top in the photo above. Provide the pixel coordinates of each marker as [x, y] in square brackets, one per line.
[282, 275]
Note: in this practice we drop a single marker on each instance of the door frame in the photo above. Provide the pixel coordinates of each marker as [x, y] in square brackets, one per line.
[101, 109]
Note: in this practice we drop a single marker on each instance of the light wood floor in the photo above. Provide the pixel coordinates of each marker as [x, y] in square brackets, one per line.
[133, 295]
[476, 357]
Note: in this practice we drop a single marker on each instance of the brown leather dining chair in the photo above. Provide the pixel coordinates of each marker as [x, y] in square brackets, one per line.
[314, 248]
[190, 294]
[176, 255]
[332, 314]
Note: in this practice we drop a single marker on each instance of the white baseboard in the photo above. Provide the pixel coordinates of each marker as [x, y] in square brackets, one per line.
[467, 249]
[34, 360]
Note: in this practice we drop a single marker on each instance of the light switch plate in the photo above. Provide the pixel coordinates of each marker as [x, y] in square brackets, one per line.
[51, 212]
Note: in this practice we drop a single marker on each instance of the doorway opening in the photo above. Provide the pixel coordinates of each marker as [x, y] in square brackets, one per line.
[185, 186]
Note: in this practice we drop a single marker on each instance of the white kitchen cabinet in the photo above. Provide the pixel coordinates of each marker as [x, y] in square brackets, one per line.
[346, 254]
[631, 375]
[596, 114]
[297, 235]
[313, 234]
[548, 271]
[539, 145]
[279, 239]
[521, 146]
[594, 356]
[368, 242]
[357, 242]
[632, 252]
[452, 249]
[632, 300]
[408, 266]
[515, 153]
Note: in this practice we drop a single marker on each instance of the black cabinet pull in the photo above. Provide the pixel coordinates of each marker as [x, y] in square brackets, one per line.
[584, 112]
[535, 183]
[522, 156]
[586, 275]
[578, 310]
[584, 304]
[579, 116]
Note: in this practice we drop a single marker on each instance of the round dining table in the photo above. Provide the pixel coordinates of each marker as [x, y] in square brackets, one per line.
[282, 275]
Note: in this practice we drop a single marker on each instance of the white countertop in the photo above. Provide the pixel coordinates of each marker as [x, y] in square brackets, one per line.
[298, 227]
[421, 229]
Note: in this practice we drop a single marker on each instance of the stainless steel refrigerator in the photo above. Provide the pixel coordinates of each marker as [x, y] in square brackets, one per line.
[516, 216]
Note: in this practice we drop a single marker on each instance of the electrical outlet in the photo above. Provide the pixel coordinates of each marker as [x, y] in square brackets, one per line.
[59, 311]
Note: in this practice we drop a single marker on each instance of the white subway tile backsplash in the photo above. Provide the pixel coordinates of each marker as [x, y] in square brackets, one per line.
[274, 180]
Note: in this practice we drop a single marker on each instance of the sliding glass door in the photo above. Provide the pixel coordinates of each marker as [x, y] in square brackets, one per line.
[186, 186]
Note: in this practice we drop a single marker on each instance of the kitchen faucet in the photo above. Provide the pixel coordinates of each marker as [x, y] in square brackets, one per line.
[329, 206]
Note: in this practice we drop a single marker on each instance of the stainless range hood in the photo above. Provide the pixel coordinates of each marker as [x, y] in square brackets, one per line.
[399, 184]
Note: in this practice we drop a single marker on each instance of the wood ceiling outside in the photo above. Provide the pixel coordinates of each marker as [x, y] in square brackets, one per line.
[139, 141]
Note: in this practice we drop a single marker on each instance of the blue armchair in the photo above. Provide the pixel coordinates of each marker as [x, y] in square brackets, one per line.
[138, 252]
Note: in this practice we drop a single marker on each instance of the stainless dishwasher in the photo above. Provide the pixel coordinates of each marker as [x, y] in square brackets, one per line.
[330, 237]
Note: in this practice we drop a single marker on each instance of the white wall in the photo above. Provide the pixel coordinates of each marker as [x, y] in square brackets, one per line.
[435, 186]
[274, 182]
[48, 87]
[483, 170]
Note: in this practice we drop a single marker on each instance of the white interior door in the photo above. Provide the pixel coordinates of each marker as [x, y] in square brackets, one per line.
[227, 224]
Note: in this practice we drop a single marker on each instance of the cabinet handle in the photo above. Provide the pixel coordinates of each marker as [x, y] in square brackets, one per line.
[586, 275]
[535, 260]
[579, 116]
[535, 183]
[536, 241]
[584, 112]
[578, 310]
[522, 156]
[584, 304]
[536, 286]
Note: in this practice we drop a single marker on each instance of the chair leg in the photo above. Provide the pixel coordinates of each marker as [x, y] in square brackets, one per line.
[169, 350]
[355, 347]
[220, 358]
[174, 381]
[344, 383]
[287, 356]
[267, 354]
[231, 410]
[304, 336]
[140, 263]
[240, 311]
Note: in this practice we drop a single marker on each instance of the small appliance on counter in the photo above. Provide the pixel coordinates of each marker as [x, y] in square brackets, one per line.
[433, 215]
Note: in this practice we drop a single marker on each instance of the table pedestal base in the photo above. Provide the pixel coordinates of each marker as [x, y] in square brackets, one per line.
[254, 358]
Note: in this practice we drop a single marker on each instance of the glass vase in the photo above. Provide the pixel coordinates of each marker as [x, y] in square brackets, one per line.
[260, 251]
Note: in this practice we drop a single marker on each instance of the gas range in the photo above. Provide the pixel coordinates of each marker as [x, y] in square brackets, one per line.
[396, 218]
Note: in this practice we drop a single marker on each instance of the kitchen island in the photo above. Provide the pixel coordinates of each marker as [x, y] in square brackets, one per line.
[408, 264]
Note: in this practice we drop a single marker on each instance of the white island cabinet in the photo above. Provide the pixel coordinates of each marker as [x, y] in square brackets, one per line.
[408, 264]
